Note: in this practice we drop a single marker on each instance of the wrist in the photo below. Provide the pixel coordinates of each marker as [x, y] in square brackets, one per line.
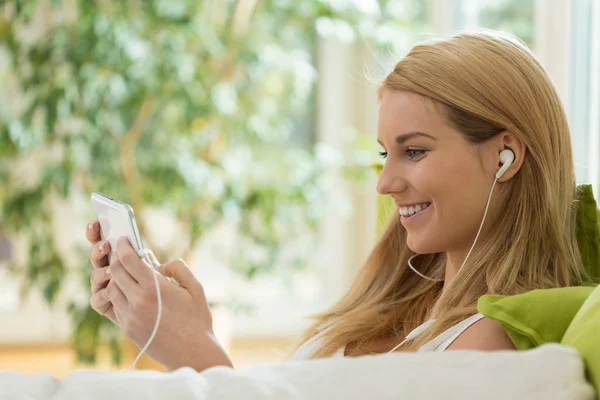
[208, 353]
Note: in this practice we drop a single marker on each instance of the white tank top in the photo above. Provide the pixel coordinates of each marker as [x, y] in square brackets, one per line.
[439, 343]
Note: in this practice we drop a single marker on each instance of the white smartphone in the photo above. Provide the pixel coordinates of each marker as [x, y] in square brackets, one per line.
[116, 220]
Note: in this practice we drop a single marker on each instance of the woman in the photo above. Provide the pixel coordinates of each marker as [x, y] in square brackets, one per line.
[449, 109]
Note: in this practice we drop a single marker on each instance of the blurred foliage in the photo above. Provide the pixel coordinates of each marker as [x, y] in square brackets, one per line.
[184, 104]
[515, 16]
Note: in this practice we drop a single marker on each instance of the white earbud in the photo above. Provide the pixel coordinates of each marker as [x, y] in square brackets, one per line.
[506, 158]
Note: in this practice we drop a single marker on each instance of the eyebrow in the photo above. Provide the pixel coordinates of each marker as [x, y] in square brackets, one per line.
[400, 139]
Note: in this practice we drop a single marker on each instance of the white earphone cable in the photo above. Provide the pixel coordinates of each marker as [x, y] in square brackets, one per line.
[420, 274]
[152, 262]
[401, 343]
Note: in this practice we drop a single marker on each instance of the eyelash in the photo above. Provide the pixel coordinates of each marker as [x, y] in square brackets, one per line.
[383, 154]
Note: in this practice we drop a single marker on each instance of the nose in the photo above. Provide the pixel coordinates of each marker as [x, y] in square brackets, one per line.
[382, 185]
[390, 181]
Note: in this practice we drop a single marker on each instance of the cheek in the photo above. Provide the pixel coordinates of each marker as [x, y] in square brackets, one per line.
[437, 183]
[454, 196]
[456, 193]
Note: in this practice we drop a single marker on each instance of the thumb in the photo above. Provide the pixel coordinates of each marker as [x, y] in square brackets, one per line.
[180, 272]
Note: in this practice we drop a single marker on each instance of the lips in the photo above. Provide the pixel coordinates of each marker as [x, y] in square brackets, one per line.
[400, 205]
[408, 211]
[405, 216]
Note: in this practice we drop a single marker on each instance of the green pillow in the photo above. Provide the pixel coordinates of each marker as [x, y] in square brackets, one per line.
[584, 335]
[588, 231]
[536, 317]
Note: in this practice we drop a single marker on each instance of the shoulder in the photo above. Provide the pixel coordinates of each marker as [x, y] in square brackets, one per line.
[485, 334]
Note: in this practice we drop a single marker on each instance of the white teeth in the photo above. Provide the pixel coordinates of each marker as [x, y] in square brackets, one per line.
[408, 211]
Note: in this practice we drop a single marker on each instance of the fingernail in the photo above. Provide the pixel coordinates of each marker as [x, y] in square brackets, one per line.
[101, 246]
[90, 225]
[108, 271]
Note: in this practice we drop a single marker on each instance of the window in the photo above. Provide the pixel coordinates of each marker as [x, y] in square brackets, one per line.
[345, 103]
[516, 16]
[564, 37]
[584, 90]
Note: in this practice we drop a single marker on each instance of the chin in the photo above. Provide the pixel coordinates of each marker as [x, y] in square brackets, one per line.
[414, 245]
[420, 246]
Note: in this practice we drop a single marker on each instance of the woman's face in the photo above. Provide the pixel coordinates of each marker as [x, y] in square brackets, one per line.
[435, 168]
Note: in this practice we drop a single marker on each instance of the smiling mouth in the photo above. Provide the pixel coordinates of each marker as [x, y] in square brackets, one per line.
[409, 212]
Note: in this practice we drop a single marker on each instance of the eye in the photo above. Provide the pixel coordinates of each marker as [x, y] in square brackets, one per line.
[414, 153]
[383, 154]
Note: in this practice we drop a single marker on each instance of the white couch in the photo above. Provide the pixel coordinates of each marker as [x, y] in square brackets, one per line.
[551, 371]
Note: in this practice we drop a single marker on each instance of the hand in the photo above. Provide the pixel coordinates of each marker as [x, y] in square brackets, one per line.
[185, 336]
[99, 279]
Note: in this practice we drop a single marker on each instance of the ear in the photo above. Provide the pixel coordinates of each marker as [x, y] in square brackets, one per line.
[506, 139]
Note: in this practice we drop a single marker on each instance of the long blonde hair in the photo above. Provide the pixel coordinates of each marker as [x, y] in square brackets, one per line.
[487, 82]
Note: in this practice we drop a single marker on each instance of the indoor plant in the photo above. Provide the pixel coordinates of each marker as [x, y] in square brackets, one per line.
[166, 104]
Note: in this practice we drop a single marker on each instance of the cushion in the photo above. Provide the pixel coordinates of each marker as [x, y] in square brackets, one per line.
[550, 371]
[536, 317]
[588, 231]
[584, 335]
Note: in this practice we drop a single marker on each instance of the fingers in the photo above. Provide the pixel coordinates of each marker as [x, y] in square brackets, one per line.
[128, 285]
[136, 267]
[116, 296]
[183, 275]
[99, 279]
[102, 305]
[100, 301]
[99, 253]
[92, 232]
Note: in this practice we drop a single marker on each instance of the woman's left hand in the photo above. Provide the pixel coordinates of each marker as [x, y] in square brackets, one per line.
[185, 336]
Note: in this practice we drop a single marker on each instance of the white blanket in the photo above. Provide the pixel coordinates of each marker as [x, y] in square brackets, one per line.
[548, 372]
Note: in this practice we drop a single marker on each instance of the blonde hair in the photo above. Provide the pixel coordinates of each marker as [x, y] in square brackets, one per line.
[487, 82]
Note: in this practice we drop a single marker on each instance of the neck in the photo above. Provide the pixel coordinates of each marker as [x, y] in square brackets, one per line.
[454, 260]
